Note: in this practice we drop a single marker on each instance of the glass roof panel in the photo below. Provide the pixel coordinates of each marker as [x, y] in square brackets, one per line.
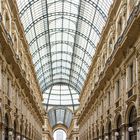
[62, 37]
[61, 94]
[59, 115]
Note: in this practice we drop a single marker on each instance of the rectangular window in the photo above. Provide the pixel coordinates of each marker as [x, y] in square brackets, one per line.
[108, 98]
[102, 106]
[97, 111]
[131, 75]
[8, 86]
[117, 88]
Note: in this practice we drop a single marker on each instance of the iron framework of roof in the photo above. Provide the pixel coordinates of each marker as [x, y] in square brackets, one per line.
[60, 115]
[62, 36]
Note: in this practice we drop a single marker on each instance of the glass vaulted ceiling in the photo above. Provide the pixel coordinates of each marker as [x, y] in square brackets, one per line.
[59, 115]
[62, 36]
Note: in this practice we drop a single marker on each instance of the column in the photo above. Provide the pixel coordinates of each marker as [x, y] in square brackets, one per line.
[0, 75]
[2, 123]
[10, 134]
[138, 91]
[126, 133]
[106, 137]
[123, 131]
[91, 131]
[18, 136]
[113, 134]
[1, 130]
[105, 132]
[138, 129]
[115, 90]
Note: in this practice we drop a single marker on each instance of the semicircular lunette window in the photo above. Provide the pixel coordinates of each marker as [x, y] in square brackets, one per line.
[60, 115]
[62, 37]
[61, 95]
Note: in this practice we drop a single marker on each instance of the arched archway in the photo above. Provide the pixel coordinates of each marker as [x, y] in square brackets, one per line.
[22, 131]
[109, 131]
[59, 134]
[60, 126]
[118, 127]
[7, 126]
[15, 129]
[132, 123]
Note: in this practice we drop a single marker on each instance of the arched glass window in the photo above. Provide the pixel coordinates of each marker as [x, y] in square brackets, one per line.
[109, 131]
[6, 127]
[59, 115]
[132, 124]
[59, 135]
[119, 122]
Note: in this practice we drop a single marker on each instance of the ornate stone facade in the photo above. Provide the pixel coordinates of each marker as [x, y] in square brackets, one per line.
[110, 99]
[47, 130]
[21, 112]
[73, 131]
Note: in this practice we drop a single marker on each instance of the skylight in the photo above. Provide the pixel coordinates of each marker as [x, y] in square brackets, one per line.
[62, 37]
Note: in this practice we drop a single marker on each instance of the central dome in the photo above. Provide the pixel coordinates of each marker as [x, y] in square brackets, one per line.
[61, 95]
